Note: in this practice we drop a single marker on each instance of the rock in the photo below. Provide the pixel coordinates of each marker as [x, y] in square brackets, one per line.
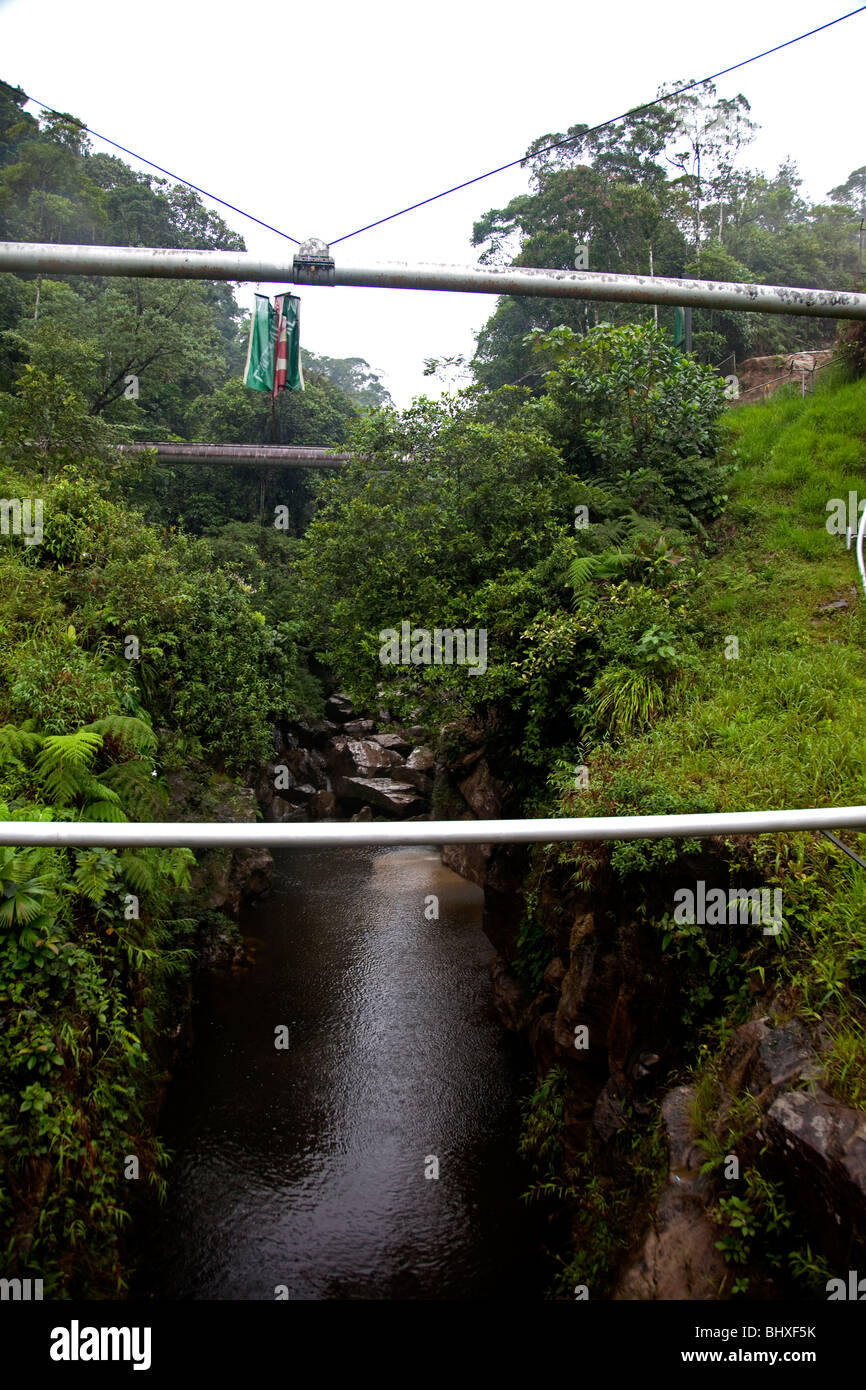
[360, 757]
[397, 797]
[578, 987]
[417, 732]
[467, 760]
[469, 861]
[301, 794]
[678, 1258]
[819, 1146]
[364, 814]
[284, 813]
[644, 1065]
[508, 995]
[685, 1156]
[324, 806]
[357, 727]
[555, 973]
[395, 742]
[609, 1116]
[254, 869]
[840, 603]
[483, 793]
[339, 708]
[420, 780]
[421, 759]
[782, 1056]
[313, 731]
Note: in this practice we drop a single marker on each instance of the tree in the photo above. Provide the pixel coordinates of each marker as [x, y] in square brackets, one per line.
[360, 382]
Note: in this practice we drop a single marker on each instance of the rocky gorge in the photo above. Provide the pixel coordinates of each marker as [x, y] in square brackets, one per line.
[763, 1105]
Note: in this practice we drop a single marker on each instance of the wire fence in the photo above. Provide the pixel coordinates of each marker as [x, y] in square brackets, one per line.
[790, 377]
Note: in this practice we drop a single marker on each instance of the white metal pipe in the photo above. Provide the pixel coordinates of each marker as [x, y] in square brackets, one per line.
[861, 531]
[285, 455]
[329, 835]
[170, 263]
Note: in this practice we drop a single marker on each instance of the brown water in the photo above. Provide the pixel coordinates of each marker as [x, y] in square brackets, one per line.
[306, 1167]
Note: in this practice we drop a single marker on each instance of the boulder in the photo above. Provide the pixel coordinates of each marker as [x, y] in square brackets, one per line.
[508, 996]
[482, 792]
[819, 1145]
[323, 806]
[301, 794]
[421, 759]
[420, 780]
[396, 742]
[358, 727]
[360, 757]
[678, 1258]
[383, 793]
[469, 861]
[339, 708]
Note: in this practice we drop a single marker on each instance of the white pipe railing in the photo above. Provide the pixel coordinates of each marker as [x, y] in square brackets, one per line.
[325, 835]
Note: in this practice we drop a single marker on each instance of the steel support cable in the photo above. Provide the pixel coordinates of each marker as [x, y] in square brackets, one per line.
[841, 844]
[559, 144]
[593, 130]
[149, 162]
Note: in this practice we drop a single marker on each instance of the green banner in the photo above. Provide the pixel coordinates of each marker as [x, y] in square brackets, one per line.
[259, 371]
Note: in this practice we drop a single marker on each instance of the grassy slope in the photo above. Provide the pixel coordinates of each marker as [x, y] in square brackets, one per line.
[783, 725]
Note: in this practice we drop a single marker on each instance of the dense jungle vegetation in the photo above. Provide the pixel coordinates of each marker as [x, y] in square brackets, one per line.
[589, 500]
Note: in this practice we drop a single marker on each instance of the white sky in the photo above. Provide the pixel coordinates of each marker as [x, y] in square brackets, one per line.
[320, 118]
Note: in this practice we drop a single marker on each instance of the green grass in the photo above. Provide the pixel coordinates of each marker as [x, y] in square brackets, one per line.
[783, 725]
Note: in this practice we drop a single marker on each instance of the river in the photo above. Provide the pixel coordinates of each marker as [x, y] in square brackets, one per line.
[303, 1168]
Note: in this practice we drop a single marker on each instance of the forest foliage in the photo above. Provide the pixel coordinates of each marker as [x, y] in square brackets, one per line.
[588, 501]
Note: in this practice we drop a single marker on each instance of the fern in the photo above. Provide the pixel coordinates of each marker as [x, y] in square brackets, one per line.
[62, 760]
[95, 871]
[141, 870]
[16, 744]
[22, 892]
[140, 793]
[581, 570]
[103, 811]
[132, 734]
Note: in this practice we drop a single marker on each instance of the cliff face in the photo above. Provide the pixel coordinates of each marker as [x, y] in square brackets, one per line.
[585, 981]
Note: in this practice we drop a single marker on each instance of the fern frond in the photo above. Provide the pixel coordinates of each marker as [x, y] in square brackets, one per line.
[17, 743]
[95, 870]
[131, 733]
[141, 794]
[581, 570]
[140, 868]
[103, 811]
[62, 761]
[93, 789]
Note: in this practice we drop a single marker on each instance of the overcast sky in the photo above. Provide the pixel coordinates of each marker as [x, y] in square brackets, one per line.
[321, 118]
